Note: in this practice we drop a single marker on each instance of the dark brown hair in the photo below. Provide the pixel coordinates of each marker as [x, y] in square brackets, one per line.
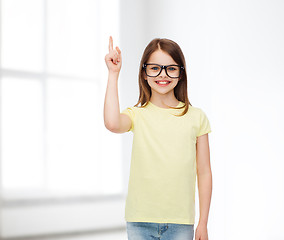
[180, 90]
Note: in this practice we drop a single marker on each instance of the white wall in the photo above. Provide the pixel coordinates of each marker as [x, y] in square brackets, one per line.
[234, 53]
[132, 45]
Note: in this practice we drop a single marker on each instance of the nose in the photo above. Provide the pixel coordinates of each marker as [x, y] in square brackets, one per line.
[163, 73]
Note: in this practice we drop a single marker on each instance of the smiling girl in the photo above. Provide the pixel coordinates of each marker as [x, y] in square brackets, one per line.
[170, 146]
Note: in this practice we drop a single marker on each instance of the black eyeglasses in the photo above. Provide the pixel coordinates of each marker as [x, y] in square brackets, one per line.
[153, 70]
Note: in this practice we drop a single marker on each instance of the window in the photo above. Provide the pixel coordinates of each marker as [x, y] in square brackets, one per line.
[53, 80]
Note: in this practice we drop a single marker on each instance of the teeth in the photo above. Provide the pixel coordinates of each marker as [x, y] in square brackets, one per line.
[163, 82]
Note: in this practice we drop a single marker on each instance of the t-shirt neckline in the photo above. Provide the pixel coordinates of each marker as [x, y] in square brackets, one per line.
[164, 109]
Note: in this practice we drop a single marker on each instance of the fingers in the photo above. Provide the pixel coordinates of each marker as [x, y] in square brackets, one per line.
[116, 58]
[118, 50]
[114, 55]
[119, 54]
[110, 46]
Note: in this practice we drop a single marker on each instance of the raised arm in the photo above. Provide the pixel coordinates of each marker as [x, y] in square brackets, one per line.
[113, 119]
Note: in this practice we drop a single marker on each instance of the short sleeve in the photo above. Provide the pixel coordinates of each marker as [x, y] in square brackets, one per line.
[204, 124]
[131, 113]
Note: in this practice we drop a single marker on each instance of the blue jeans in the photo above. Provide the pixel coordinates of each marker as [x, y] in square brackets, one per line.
[159, 231]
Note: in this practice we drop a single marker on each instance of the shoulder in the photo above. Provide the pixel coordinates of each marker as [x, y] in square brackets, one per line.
[131, 111]
[197, 110]
[136, 108]
[198, 113]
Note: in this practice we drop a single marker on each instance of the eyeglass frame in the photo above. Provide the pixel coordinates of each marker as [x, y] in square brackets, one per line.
[162, 67]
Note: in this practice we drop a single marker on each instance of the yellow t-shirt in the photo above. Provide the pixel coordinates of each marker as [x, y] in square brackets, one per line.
[161, 186]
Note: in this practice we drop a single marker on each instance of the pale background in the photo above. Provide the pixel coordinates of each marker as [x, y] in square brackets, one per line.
[62, 172]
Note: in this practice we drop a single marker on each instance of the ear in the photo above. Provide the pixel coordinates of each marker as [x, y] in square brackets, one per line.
[144, 76]
[180, 78]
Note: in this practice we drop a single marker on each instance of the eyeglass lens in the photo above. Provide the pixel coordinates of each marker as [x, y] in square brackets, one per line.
[153, 70]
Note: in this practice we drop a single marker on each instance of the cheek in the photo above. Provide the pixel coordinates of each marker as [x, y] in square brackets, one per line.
[149, 79]
[175, 83]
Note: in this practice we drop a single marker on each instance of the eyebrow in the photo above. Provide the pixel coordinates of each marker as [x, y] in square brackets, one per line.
[164, 65]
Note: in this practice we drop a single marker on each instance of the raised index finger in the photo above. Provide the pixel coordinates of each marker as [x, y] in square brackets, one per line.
[110, 46]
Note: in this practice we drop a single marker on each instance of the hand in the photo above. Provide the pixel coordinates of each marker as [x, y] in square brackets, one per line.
[113, 58]
[201, 232]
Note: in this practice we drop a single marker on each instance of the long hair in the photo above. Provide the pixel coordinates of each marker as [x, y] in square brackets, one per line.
[180, 90]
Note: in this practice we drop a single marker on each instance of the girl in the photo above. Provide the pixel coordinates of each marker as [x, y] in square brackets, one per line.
[170, 146]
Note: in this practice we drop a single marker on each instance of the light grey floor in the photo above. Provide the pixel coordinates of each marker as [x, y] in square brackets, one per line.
[117, 234]
[101, 236]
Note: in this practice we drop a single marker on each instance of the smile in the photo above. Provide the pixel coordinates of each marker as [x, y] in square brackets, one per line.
[163, 83]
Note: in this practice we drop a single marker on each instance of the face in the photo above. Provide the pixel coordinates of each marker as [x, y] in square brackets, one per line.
[162, 58]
